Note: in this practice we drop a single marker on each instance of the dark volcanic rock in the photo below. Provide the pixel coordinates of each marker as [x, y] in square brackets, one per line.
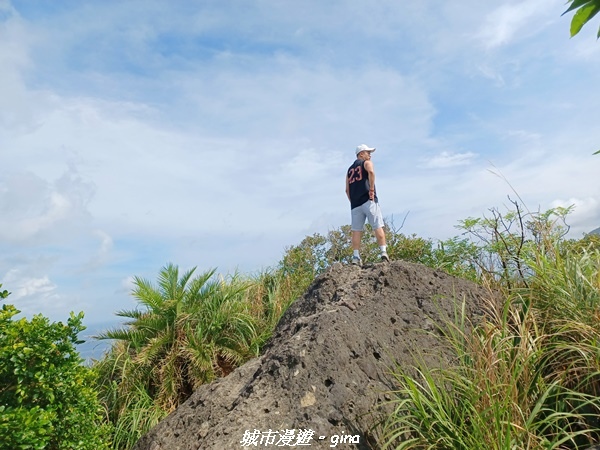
[327, 366]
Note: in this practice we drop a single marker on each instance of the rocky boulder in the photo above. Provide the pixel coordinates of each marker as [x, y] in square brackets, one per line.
[324, 378]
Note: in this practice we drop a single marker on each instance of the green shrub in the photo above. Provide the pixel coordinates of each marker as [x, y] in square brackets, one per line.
[186, 331]
[47, 398]
[528, 375]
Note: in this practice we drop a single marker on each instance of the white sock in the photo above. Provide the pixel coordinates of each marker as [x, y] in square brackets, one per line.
[383, 248]
[356, 254]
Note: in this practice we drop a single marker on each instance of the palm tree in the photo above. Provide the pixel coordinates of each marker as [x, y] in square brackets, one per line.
[185, 332]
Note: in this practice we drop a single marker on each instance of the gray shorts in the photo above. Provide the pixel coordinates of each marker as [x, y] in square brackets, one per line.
[368, 210]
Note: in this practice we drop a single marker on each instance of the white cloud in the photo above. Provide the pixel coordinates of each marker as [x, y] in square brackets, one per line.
[585, 49]
[139, 175]
[448, 159]
[32, 294]
[17, 112]
[29, 287]
[492, 74]
[585, 215]
[32, 209]
[127, 284]
[104, 251]
[132, 135]
[106, 242]
[511, 20]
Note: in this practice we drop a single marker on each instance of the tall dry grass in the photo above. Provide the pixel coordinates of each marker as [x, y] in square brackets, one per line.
[527, 377]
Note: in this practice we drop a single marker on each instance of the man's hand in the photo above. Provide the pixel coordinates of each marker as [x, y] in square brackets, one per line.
[371, 194]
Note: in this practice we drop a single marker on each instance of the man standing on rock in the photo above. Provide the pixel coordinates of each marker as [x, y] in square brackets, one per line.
[360, 189]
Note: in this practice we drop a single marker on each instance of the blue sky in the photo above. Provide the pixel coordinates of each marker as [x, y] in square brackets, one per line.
[216, 133]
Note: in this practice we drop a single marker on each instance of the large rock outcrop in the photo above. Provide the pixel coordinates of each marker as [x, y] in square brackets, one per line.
[327, 368]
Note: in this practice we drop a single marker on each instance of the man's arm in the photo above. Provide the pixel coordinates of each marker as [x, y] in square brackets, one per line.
[347, 188]
[371, 172]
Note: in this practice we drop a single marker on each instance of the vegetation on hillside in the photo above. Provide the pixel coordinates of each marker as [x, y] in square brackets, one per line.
[186, 331]
[526, 378]
[48, 399]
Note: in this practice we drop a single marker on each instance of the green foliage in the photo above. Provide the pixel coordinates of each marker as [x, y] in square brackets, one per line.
[25, 428]
[303, 262]
[498, 245]
[47, 398]
[589, 242]
[458, 257]
[4, 293]
[188, 331]
[528, 375]
[269, 296]
[585, 11]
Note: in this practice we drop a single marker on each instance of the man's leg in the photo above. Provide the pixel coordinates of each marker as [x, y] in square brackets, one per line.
[376, 221]
[358, 222]
[380, 236]
[356, 238]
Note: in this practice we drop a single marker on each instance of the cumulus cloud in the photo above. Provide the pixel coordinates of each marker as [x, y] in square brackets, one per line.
[31, 294]
[32, 209]
[28, 287]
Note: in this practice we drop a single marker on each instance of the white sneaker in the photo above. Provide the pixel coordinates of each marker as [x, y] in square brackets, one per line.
[385, 257]
[356, 261]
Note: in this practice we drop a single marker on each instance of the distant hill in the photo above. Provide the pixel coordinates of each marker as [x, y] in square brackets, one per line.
[596, 231]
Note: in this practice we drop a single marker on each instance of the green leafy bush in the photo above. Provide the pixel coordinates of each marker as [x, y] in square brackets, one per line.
[47, 398]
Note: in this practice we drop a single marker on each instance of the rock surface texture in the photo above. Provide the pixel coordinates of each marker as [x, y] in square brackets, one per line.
[327, 368]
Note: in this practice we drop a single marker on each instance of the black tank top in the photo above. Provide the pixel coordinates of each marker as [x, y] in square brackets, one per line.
[358, 182]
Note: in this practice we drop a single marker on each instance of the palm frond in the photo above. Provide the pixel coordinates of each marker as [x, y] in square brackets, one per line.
[147, 294]
[131, 313]
[168, 281]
